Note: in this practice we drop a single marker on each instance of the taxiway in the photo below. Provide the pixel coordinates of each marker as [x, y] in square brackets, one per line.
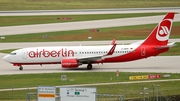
[166, 64]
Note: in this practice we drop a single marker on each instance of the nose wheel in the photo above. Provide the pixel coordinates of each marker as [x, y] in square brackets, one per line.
[20, 68]
[89, 66]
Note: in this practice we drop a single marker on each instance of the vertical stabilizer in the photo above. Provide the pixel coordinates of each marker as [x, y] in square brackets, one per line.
[161, 33]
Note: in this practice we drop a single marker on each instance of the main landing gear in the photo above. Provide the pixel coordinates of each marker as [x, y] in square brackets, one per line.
[20, 68]
[89, 66]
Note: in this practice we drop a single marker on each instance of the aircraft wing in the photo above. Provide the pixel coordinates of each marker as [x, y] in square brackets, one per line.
[90, 58]
[97, 57]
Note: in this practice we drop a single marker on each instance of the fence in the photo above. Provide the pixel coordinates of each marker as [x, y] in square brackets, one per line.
[131, 92]
[100, 97]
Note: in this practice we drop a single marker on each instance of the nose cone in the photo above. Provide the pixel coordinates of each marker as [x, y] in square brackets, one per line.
[6, 58]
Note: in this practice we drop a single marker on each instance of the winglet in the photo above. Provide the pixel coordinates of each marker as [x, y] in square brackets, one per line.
[111, 50]
[113, 42]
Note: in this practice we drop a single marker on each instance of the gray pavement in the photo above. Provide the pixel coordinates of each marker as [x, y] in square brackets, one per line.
[16, 45]
[168, 64]
[159, 64]
[88, 11]
[39, 28]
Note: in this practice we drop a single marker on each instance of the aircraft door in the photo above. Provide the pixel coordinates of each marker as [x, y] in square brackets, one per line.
[24, 54]
[143, 51]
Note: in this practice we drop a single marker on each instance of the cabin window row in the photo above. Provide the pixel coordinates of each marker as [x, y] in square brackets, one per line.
[103, 52]
[93, 52]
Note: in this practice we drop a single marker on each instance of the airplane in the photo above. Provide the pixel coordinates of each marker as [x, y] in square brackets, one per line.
[74, 56]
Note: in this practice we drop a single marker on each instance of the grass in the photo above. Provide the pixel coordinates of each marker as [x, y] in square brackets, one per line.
[26, 20]
[53, 79]
[7, 51]
[120, 33]
[83, 4]
[130, 91]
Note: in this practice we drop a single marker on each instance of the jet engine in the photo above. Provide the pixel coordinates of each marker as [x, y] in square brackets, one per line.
[69, 63]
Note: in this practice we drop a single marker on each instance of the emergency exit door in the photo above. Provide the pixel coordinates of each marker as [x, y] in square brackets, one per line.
[24, 54]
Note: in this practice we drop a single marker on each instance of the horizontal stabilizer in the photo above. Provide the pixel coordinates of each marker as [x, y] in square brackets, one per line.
[166, 46]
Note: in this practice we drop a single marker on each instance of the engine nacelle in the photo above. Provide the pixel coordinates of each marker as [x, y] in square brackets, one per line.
[69, 63]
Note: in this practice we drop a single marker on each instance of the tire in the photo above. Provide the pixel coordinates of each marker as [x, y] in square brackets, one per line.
[89, 66]
[20, 68]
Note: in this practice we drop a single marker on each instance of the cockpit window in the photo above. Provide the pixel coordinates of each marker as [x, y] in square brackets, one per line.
[12, 53]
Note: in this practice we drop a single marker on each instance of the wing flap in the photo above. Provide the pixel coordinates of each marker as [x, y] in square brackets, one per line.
[90, 58]
[97, 57]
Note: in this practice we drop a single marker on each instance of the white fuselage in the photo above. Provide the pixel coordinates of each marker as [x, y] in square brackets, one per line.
[56, 54]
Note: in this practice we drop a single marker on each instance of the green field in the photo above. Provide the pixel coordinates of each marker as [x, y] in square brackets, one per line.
[25, 80]
[7, 51]
[54, 79]
[120, 33]
[26, 20]
[83, 4]
[130, 91]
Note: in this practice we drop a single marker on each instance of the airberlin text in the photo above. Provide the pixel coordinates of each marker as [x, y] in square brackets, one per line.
[52, 53]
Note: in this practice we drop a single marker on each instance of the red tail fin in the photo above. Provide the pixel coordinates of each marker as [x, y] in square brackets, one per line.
[161, 33]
